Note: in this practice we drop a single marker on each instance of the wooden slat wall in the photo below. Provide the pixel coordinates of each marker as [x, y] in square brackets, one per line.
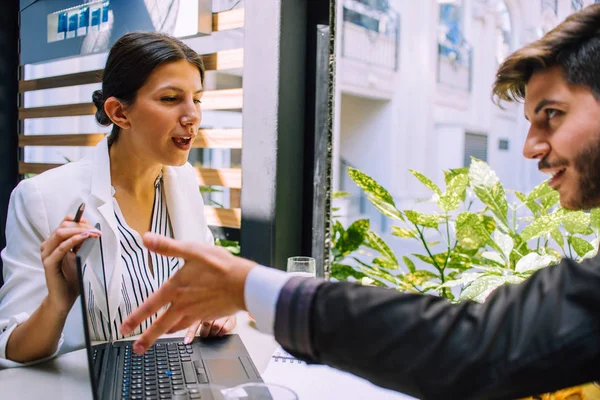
[230, 99]
[207, 138]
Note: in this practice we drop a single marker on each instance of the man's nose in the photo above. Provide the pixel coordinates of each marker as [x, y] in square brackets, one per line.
[536, 146]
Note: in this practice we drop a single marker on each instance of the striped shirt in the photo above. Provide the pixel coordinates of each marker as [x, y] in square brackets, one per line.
[138, 280]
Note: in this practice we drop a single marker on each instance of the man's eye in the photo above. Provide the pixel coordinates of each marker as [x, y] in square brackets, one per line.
[169, 99]
[197, 101]
[551, 113]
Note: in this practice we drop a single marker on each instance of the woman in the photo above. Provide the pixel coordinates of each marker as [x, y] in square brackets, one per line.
[135, 181]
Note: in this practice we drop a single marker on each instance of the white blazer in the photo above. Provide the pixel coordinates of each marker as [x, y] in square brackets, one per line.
[39, 204]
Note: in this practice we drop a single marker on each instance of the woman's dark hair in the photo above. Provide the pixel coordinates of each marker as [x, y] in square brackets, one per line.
[130, 62]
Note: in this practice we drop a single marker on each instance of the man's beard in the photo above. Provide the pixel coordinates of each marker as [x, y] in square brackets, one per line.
[587, 164]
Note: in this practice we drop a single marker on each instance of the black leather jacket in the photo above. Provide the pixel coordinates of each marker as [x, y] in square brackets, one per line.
[536, 337]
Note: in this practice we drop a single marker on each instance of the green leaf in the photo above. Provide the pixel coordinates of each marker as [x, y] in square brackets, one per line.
[449, 202]
[470, 231]
[340, 195]
[465, 279]
[409, 264]
[385, 263]
[542, 225]
[375, 242]
[558, 237]
[505, 242]
[417, 218]
[209, 189]
[581, 246]
[495, 199]
[230, 245]
[595, 218]
[489, 223]
[592, 253]
[386, 209]
[403, 232]
[540, 191]
[549, 200]
[458, 185]
[481, 288]
[342, 272]
[370, 185]
[449, 175]
[577, 222]
[494, 257]
[533, 261]
[377, 195]
[419, 277]
[521, 196]
[426, 181]
[487, 188]
[481, 175]
[353, 237]
[437, 260]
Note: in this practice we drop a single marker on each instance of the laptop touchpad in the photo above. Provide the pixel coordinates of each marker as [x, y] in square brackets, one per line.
[226, 371]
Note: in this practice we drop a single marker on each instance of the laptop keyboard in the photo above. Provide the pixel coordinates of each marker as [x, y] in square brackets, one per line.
[165, 371]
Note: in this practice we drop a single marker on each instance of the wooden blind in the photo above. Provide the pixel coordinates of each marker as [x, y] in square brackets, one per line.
[230, 99]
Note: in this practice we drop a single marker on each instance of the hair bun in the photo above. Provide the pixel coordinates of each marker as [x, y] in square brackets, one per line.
[101, 116]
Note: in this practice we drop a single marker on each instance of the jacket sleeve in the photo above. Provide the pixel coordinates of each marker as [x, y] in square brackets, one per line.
[24, 279]
[536, 337]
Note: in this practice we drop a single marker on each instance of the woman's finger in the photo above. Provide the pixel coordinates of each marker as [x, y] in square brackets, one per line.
[227, 327]
[60, 235]
[191, 332]
[63, 248]
[205, 329]
[218, 326]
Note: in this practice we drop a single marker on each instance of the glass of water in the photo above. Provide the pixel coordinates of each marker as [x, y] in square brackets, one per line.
[302, 266]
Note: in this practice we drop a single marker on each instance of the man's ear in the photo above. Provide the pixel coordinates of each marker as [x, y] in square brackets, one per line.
[116, 112]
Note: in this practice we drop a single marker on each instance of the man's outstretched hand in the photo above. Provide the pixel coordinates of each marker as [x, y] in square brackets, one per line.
[209, 286]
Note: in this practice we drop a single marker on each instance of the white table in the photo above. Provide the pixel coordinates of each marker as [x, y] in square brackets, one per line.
[67, 376]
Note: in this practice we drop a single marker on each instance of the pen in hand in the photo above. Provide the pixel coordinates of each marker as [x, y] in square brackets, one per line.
[79, 213]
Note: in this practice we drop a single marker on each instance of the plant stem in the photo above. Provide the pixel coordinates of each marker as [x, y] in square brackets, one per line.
[448, 240]
[435, 264]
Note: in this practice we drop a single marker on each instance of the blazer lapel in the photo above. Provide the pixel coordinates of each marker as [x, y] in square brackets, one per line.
[178, 205]
[101, 189]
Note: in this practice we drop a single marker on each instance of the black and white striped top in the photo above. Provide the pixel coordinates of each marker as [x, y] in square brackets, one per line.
[138, 280]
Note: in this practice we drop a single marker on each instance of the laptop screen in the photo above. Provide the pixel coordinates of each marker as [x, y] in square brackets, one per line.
[90, 246]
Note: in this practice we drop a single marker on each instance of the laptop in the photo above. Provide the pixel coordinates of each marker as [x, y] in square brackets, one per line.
[169, 369]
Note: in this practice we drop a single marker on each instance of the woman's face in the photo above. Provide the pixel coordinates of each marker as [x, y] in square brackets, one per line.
[165, 116]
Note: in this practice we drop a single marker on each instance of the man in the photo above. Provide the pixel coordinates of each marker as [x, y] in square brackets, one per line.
[531, 338]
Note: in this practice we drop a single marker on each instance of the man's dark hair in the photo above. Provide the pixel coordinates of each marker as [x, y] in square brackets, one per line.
[574, 46]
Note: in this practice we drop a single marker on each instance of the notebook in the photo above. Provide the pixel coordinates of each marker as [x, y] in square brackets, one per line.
[320, 382]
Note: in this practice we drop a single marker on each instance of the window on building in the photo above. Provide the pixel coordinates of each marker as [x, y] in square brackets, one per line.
[503, 32]
[475, 146]
[576, 5]
[550, 5]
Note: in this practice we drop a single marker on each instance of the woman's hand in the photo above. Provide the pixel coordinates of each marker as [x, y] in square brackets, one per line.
[218, 327]
[58, 258]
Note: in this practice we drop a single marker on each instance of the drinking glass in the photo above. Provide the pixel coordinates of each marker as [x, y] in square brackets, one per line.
[259, 391]
[301, 266]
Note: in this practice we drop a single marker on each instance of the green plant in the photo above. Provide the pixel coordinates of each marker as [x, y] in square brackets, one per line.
[232, 246]
[480, 240]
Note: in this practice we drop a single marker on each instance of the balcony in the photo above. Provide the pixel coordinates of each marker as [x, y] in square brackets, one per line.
[455, 64]
[369, 48]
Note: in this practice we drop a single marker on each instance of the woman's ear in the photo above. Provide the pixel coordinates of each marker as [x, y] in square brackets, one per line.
[116, 112]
